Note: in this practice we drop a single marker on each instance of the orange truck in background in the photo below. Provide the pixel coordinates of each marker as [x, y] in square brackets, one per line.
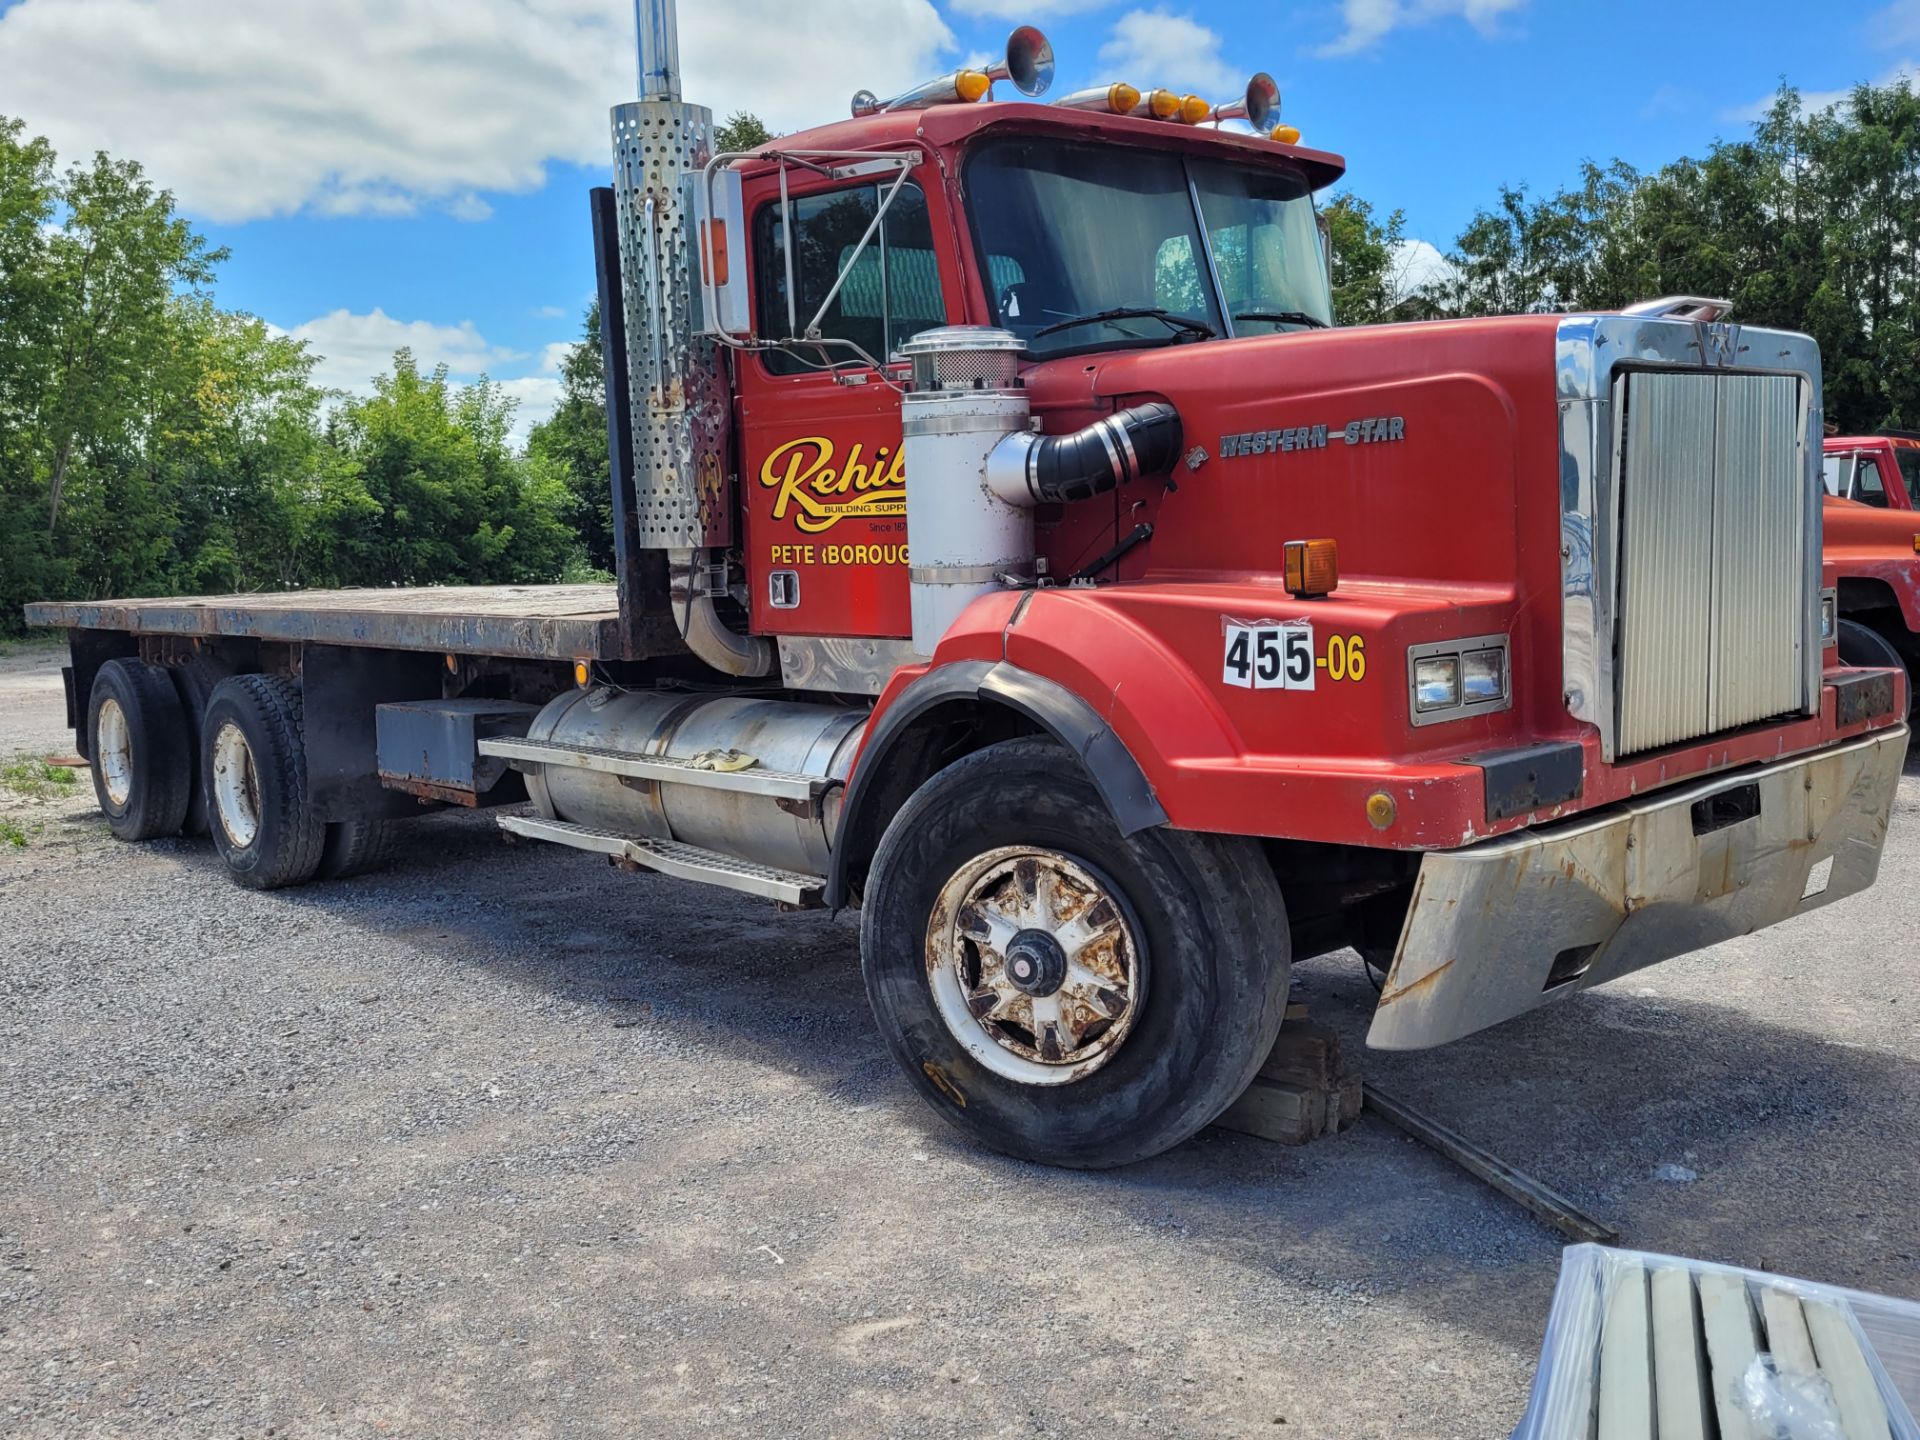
[1872, 546]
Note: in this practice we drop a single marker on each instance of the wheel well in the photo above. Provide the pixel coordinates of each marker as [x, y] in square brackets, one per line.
[926, 745]
[1864, 599]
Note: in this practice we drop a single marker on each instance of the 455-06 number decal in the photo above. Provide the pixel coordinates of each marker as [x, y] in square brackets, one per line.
[1280, 655]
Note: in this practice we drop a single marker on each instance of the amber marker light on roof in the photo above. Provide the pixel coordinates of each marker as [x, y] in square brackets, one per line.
[1119, 99]
[1286, 134]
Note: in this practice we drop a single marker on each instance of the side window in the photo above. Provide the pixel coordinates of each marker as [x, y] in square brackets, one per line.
[1867, 486]
[892, 291]
[1833, 473]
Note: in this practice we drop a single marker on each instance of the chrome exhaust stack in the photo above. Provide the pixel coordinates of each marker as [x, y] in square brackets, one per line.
[1027, 65]
[657, 28]
[677, 385]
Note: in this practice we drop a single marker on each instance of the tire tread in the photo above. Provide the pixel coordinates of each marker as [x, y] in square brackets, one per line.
[277, 708]
[162, 754]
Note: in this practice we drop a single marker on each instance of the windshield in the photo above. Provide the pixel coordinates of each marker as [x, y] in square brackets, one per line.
[1071, 232]
[1909, 471]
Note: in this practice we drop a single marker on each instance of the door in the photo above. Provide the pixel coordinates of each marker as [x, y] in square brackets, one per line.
[823, 488]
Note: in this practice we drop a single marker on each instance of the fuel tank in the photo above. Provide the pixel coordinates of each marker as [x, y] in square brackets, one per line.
[781, 737]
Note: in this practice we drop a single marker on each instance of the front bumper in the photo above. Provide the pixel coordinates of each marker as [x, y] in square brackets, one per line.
[1501, 927]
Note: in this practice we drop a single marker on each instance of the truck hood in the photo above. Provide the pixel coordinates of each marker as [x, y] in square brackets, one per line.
[1429, 451]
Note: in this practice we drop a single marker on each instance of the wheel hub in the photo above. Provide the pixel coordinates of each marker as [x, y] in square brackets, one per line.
[113, 745]
[236, 786]
[1035, 964]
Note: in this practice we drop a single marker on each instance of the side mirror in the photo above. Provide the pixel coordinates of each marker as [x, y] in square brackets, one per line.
[719, 244]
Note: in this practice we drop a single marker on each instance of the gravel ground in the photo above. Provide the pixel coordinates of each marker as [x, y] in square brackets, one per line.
[502, 1142]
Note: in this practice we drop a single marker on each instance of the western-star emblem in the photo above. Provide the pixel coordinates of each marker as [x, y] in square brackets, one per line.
[1371, 431]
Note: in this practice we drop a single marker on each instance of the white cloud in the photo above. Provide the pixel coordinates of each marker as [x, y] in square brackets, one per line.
[549, 312]
[383, 107]
[537, 395]
[352, 348]
[1417, 264]
[1812, 102]
[1370, 21]
[1155, 47]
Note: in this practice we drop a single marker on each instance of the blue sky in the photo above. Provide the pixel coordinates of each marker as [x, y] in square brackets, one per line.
[414, 171]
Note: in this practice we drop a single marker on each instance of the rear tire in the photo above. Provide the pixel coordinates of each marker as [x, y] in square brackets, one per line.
[142, 758]
[354, 847]
[1003, 873]
[195, 681]
[253, 766]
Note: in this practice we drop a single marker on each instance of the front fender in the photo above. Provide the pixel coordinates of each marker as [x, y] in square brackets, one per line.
[1055, 709]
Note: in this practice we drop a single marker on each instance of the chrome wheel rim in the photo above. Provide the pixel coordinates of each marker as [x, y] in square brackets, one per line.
[236, 786]
[1034, 965]
[113, 743]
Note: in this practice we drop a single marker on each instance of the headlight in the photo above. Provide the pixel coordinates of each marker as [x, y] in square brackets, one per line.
[1483, 676]
[1452, 679]
[1436, 683]
[1829, 617]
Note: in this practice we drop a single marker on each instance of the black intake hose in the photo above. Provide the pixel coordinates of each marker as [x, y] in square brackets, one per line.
[1141, 440]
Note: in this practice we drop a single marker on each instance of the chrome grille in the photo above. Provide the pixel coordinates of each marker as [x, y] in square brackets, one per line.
[1712, 545]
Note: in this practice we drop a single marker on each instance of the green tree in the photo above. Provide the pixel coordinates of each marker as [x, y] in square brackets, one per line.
[113, 269]
[28, 201]
[572, 444]
[1368, 286]
[450, 500]
[742, 131]
[1808, 223]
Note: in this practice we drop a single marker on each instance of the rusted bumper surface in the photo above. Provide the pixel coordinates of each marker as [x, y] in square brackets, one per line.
[1498, 928]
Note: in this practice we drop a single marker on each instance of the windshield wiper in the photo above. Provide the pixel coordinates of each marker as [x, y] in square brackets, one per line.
[1184, 323]
[1285, 317]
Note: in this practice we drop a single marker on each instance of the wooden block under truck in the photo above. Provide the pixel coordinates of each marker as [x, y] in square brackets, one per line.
[1011, 547]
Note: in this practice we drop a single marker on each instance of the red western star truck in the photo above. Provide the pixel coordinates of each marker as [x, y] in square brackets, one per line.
[1011, 547]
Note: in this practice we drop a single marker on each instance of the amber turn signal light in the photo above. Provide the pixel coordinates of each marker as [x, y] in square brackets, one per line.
[1313, 568]
[713, 235]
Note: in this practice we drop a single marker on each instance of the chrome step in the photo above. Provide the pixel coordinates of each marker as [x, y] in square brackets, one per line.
[661, 769]
[670, 857]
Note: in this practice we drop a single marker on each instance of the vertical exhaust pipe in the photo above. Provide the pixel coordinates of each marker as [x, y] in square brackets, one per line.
[676, 381]
[658, 31]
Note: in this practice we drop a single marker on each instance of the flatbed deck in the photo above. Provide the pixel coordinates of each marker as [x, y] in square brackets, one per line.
[543, 622]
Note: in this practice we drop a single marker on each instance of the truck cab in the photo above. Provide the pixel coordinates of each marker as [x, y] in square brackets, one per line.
[1882, 470]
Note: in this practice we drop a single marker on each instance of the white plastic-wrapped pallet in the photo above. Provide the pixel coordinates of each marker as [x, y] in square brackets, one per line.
[1642, 1345]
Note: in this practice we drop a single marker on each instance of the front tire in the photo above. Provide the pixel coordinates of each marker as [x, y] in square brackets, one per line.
[1057, 990]
[253, 765]
[1865, 646]
[142, 760]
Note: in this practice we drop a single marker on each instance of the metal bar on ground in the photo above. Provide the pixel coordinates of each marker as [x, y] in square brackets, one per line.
[1524, 1190]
